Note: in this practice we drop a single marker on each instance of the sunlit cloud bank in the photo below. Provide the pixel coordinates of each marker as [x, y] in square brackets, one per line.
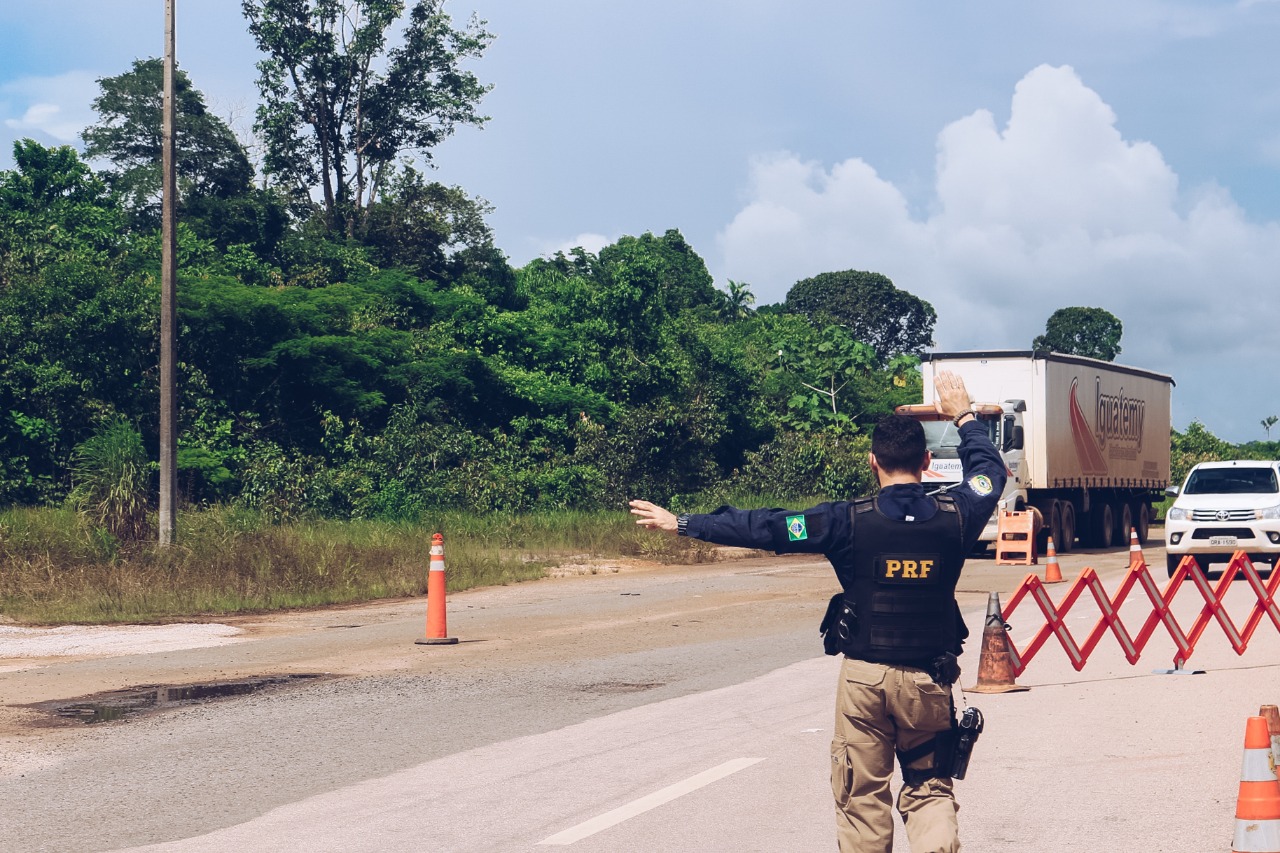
[1054, 209]
[52, 110]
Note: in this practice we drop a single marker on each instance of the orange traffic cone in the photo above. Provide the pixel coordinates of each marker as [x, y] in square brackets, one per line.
[1136, 557]
[1052, 572]
[995, 666]
[437, 633]
[1258, 805]
[1272, 715]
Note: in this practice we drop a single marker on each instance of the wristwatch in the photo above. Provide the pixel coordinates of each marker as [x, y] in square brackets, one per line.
[956, 419]
[682, 524]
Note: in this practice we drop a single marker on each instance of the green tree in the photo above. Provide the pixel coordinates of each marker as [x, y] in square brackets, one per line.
[823, 369]
[77, 341]
[1090, 332]
[1268, 422]
[52, 205]
[427, 227]
[339, 107]
[738, 300]
[867, 304]
[648, 280]
[75, 330]
[210, 161]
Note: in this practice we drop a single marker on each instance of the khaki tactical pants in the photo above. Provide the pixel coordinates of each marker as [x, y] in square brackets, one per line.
[880, 707]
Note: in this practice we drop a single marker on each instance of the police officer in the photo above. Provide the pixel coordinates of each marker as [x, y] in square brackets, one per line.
[898, 557]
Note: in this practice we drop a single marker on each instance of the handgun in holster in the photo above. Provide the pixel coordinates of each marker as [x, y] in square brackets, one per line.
[951, 749]
[966, 733]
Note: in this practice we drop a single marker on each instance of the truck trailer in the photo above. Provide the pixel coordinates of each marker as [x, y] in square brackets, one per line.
[1086, 441]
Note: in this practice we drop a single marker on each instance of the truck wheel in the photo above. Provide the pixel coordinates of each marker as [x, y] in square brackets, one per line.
[1172, 560]
[1124, 524]
[1050, 526]
[1055, 525]
[1068, 527]
[1142, 520]
[1102, 525]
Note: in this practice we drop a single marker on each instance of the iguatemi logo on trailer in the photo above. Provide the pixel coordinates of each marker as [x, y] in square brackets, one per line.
[1117, 417]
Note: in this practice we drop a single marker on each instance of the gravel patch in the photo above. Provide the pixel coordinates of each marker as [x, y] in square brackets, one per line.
[97, 640]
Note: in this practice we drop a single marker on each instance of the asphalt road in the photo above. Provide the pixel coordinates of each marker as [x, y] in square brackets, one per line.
[679, 708]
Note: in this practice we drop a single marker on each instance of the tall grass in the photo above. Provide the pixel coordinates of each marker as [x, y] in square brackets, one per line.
[57, 567]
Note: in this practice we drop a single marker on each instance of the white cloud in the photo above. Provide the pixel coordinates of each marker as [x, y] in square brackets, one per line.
[1052, 210]
[57, 108]
[48, 119]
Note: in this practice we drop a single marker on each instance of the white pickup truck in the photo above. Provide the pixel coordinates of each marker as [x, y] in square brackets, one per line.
[1224, 507]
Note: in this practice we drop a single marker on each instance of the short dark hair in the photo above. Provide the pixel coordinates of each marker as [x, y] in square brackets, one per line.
[899, 445]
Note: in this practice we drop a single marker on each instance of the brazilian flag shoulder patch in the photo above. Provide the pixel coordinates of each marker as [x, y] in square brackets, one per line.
[796, 529]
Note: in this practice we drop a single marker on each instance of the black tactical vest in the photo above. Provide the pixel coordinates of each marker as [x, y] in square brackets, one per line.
[904, 584]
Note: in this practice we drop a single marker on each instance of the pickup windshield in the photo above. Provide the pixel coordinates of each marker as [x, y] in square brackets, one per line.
[942, 438]
[1232, 481]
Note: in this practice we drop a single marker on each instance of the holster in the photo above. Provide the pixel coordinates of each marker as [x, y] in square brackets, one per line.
[838, 624]
[942, 745]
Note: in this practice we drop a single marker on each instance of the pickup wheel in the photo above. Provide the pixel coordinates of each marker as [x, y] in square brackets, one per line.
[1172, 560]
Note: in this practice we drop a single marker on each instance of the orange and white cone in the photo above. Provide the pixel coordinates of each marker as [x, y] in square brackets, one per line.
[996, 664]
[437, 632]
[1052, 572]
[1136, 557]
[1258, 805]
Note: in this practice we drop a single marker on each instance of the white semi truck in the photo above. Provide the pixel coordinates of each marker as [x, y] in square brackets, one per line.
[1086, 441]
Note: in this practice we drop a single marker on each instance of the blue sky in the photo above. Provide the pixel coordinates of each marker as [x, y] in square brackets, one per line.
[999, 159]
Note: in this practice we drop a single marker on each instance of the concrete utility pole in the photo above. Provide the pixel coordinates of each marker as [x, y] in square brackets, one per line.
[168, 296]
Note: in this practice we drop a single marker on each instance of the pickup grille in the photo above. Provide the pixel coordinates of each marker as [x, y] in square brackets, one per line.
[1210, 532]
[1222, 515]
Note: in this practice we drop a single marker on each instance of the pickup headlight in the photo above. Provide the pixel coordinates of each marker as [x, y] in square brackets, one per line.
[1270, 512]
[1179, 514]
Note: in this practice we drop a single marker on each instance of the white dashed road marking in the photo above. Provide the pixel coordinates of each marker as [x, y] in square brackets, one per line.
[652, 801]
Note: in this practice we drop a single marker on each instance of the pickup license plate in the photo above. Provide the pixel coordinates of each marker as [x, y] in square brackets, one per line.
[1218, 541]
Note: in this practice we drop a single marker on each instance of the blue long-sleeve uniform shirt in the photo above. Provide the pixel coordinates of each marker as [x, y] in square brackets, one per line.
[828, 528]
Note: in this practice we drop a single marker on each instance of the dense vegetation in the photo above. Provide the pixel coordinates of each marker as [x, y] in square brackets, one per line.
[352, 378]
[371, 353]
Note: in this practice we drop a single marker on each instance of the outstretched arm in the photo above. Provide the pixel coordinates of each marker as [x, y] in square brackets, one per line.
[811, 531]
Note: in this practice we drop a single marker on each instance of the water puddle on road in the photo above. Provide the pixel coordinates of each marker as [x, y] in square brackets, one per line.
[119, 704]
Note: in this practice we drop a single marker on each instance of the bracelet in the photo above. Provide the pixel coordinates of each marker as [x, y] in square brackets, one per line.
[956, 419]
[682, 524]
